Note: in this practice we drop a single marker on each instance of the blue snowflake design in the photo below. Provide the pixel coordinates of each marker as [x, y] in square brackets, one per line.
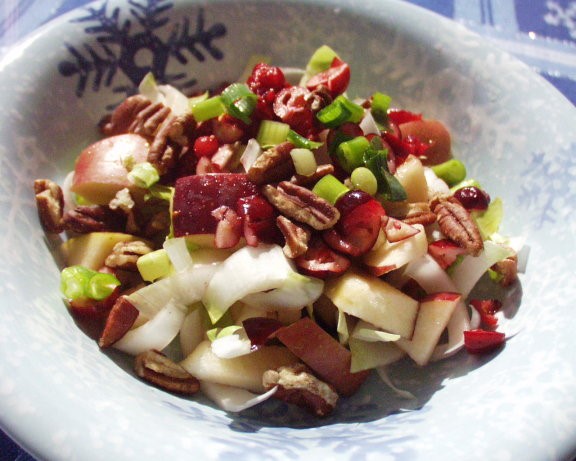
[120, 41]
[548, 185]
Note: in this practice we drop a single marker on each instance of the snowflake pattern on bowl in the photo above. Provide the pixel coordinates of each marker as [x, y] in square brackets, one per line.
[118, 46]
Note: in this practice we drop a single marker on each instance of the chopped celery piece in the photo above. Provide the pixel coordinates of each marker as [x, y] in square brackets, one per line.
[351, 153]
[272, 133]
[451, 171]
[209, 108]
[489, 220]
[304, 161]
[301, 141]
[144, 175]
[330, 188]
[320, 60]
[154, 265]
[160, 192]
[363, 179]
[79, 282]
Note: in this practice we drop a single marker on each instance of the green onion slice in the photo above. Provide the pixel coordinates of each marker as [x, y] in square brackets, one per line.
[330, 188]
[239, 101]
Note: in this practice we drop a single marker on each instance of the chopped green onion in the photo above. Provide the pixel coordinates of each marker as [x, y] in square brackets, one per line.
[389, 188]
[79, 282]
[239, 101]
[154, 265]
[272, 133]
[207, 109]
[340, 111]
[74, 280]
[330, 188]
[320, 60]
[333, 115]
[144, 175]
[304, 161]
[451, 172]
[351, 153]
[101, 285]
[301, 141]
[379, 107]
[363, 179]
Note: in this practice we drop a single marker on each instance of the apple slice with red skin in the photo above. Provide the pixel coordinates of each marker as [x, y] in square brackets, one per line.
[482, 341]
[119, 321]
[445, 252]
[329, 360]
[90, 315]
[197, 196]
[100, 170]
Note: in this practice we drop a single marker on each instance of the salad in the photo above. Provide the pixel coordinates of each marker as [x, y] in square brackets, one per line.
[276, 238]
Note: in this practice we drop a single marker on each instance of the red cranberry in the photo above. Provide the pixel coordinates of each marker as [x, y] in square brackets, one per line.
[206, 146]
[265, 77]
[472, 198]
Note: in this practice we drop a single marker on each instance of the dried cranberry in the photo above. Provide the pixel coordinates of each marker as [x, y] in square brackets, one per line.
[292, 106]
[472, 198]
[359, 225]
[260, 330]
[335, 79]
[321, 261]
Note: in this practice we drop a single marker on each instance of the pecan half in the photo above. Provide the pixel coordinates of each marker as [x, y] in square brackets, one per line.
[275, 164]
[94, 218]
[50, 205]
[125, 255]
[159, 370]
[297, 385]
[457, 224]
[419, 213]
[302, 205]
[125, 115]
[119, 321]
[164, 152]
[307, 181]
[508, 269]
[296, 237]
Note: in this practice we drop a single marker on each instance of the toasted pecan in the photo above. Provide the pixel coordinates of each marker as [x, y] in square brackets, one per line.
[297, 385]
[302, 205]
[457, 224]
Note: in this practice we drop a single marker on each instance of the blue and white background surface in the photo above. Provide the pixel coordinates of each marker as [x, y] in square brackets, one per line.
[542, 33]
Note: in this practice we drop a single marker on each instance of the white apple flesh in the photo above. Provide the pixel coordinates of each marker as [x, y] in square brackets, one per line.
[433, 317]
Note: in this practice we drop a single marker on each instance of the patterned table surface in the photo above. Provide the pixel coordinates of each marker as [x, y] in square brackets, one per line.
[542, 33]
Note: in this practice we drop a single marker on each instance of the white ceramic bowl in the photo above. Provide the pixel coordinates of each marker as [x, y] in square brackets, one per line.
[62, 398]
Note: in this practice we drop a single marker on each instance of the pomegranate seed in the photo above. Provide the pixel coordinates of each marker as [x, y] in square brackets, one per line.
[206, 146]
[472, 198]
